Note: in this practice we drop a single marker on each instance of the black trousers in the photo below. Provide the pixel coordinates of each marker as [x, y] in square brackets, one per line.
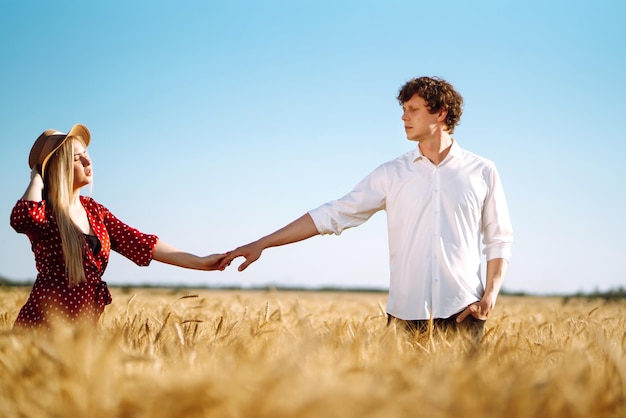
[473, 326]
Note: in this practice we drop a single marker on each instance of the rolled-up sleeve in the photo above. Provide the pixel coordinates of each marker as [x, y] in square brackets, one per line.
[27, 217]
[353, 209]
[497, 228]
[130, 242]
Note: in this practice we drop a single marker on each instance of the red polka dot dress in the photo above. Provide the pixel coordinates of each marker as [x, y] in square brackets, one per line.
[52, 298]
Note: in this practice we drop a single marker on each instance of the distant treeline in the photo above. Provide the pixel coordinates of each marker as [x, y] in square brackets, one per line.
[609, 295]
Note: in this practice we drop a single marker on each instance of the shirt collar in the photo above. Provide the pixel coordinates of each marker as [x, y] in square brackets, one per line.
[455, 151]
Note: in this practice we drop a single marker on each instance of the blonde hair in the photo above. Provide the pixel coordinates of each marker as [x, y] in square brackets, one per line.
[59, 189]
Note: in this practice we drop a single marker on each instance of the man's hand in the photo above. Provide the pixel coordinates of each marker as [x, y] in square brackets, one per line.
[251, 252]
[479, 310]
[300, 229]
[496, 268]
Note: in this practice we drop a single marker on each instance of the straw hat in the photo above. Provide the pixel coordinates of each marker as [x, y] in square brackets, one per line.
[50, 141]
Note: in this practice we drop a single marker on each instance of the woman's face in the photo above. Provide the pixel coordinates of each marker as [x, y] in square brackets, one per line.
[83, 174]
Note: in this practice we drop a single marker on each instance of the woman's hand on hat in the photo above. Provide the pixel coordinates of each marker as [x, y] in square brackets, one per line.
[35, 176]
[34, 191]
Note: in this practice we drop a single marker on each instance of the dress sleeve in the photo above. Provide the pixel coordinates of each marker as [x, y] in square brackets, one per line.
[29, 217]
[128, 241]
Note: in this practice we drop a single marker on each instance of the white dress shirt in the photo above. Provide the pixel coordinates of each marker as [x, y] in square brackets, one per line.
[435, 218]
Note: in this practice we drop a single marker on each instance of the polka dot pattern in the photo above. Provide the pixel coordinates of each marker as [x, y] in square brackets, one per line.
[51, 298]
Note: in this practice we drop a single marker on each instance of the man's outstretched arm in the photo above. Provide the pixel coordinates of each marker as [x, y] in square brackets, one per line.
[300, 229]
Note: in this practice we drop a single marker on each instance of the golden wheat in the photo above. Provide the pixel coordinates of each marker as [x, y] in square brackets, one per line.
[159, 353]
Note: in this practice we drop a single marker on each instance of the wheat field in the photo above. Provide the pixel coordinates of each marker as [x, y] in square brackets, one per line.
[209, 353]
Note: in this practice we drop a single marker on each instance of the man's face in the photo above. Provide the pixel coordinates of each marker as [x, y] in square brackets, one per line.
[419, 123]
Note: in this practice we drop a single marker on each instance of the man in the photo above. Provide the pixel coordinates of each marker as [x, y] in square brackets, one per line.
[439, 200]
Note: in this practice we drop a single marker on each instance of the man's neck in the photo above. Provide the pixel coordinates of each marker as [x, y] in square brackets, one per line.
[436, 149]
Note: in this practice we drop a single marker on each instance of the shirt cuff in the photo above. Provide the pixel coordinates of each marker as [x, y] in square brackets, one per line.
[497, 252]
[323, 222]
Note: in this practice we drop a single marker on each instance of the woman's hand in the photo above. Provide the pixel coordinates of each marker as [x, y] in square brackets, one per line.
[214, 262]
[35, 173]
[34, 192]
[167, 254]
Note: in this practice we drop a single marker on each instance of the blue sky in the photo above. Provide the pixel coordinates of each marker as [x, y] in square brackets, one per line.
[216, 122]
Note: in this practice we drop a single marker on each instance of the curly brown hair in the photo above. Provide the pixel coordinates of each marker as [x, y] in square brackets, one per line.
[438, 94]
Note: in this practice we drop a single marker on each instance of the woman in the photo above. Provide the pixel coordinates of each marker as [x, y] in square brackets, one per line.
[72, 235]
